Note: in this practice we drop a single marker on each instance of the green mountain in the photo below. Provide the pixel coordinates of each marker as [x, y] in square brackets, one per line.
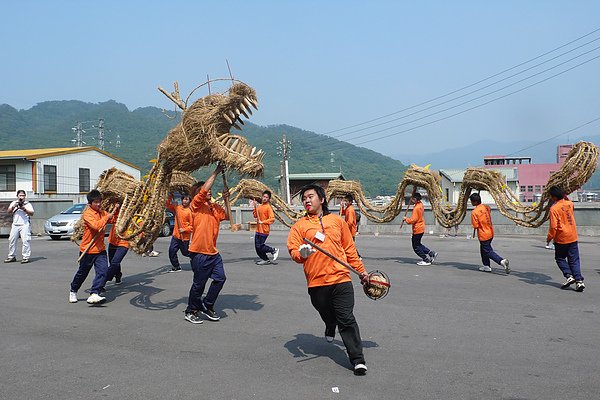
[49, 124]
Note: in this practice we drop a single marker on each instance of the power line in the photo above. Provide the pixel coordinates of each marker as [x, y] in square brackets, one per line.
[480, 89]
[336, 144]
[468, 86]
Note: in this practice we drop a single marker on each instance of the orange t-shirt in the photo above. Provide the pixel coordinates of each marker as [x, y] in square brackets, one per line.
[416, 219]
[563, 228]
[319, 269]
[206, 219]
[183, 216]
[94, 224]
[481, 219]
[264, 212]
[113, 237]
[350, 217]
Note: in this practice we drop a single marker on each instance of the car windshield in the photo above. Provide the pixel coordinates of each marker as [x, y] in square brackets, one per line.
[75, 209]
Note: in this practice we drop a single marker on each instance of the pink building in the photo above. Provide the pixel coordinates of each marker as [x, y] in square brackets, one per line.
[532, 177]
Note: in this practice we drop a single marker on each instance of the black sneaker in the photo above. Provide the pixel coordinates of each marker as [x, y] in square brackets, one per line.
[432, 256]
[118, 279]
[360, 369]
[330, 334]
[175, 269]
[570, 280]
[10, 259]
[579, 286]
[210, 314]
[193, 318]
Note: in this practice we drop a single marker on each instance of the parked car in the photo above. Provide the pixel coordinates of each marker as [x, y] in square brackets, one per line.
[169, 224]
[62, 224]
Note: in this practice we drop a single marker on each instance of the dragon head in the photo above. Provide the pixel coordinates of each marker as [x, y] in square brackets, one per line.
[203, 135]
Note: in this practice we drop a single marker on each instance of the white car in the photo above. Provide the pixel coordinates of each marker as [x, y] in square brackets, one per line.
[62, 224]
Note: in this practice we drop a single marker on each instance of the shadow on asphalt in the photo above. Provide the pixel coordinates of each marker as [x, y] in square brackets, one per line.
[308, 347]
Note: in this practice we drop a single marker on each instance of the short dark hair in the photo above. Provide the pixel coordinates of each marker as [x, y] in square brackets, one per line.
[320, 193]
[267, 192]
[186, 195]
[417, 196]
[196, 188]
[21, 191]
[94, 195]
[557, 192]
[475, 198]
[349, 197]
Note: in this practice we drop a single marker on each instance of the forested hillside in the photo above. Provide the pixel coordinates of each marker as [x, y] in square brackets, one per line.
[49, 124]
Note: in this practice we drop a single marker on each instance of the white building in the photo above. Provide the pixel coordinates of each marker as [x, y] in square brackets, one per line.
[65, 173]
[452, 180]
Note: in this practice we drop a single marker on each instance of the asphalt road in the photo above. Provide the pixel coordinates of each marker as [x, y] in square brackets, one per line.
[446, 331]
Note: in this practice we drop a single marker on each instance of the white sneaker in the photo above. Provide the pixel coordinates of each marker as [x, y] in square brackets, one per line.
[72, 297]
[422, 263]
[360, 369]
[275, 254]
[485, 268]
[263, 262]
[505, 263]
[153, 253]
[329, 339]
[95, 299]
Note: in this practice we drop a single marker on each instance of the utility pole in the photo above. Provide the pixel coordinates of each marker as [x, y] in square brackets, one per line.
[78, 135]
[284, 149]
[118, 142]
[101, 133]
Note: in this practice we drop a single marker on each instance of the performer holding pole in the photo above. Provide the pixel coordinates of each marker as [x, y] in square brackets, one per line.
[180, 241]
[418, 229]
[481, 220]
[563, 230]
[92, 248]
[329, 283]
[264, 218]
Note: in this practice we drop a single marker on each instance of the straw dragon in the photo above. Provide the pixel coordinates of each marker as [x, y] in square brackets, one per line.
[577, 169]
[201, 138]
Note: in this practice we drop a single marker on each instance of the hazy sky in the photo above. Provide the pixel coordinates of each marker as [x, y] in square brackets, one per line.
[323, 66]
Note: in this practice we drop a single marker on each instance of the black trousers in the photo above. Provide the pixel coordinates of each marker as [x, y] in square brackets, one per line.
[335, 304]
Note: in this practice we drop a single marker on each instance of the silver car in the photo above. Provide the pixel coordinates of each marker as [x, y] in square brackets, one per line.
[62, 224]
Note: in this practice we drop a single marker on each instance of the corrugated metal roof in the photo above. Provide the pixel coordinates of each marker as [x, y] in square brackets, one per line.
[33, 154]
[317, 175]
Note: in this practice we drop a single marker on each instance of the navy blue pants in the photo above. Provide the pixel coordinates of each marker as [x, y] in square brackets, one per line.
[204, 267]
[115, 256]
[567, 259]
[175, 246]
[261, 248]
[487, 253]
[100, 264]
[420, 249]
[335, 304]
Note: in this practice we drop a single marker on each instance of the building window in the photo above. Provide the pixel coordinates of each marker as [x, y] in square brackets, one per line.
[49, 178]
[538, 188]
[447, 194]
[522, 188]
[8, 178]
[84, 180]
[530, 188]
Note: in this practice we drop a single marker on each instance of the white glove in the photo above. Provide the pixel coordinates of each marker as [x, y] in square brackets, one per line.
[306, 250]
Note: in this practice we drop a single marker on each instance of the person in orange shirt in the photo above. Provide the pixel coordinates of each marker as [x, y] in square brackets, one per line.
[417, 221]
[349, 215]
[329, 283]
[182, 230]
[563, 230]
[206, 260]
[481, 220]
[117, 250]
[264, 218]
[92, 249]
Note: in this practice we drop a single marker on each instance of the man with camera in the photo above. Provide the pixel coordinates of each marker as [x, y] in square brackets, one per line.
[21, 211]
